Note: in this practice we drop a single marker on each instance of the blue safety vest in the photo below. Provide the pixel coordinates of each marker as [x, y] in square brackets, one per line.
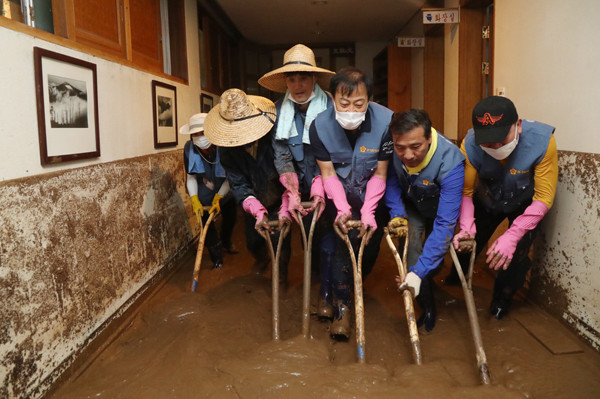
[354, 167]
[503, 189]
[423, 189]
[304, 161]
[200, 168]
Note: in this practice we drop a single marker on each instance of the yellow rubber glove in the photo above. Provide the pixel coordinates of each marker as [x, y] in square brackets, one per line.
[216, 205]
[399, 224]
[197, 207]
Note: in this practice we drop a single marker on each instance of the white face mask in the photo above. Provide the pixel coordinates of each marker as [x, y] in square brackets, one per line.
[312, 95]
[201, 142]
[504, 151]
[350, 120]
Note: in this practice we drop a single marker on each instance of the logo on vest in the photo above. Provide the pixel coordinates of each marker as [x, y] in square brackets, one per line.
[518, 172]
[488, 119]
[365, 149]
[426, 182]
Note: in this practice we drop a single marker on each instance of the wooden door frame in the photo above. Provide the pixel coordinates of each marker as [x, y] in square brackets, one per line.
[471, 50]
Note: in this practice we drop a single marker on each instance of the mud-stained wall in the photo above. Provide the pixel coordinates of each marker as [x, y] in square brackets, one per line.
[566, 276]
[74, 247]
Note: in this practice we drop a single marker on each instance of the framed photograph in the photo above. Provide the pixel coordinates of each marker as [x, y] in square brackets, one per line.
[67, 107]
[164, 111]
[206, 102]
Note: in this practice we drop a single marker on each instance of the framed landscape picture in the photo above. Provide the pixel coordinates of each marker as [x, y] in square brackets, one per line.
[164, 111]
[67, 107]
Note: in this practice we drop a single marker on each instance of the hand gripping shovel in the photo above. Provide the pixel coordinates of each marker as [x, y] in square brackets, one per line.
[475, 330]
[359, 311]
[307, 241]
[203, 230]
[275, 271]
[406, 295]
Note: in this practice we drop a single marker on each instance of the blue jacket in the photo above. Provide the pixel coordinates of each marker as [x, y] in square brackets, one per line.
[202, 169]
[436, 193]
[354, 167]
[503, 189]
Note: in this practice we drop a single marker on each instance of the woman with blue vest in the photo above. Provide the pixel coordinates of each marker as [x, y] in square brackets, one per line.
[206, 184]
[352, 146]
[511, 173]
[424, 190]
[301, 81]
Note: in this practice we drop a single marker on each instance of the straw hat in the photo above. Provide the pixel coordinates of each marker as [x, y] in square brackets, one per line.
[297, 59]
[195, 125]
[239, 119]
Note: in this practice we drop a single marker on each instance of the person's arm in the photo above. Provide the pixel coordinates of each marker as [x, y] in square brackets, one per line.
[436, 244]
[283, 157]
[466, 221]
[546, 176]
[191, 184]
[393, 196]
[376, 187]
[373, 193]
[239, 184]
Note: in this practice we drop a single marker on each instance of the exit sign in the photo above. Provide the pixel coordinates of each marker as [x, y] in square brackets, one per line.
[441, 16]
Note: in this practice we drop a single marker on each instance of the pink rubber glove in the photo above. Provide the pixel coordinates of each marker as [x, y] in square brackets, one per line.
[501, 252]
[374, 192]
[255, 208]
[317, 194]
[284, 215]
[335, 191]
[290, 182]
[466, 221]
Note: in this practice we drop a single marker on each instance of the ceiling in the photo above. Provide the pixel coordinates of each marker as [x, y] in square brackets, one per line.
[286, 22]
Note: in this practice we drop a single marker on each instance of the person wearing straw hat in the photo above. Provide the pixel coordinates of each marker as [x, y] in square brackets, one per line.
[352, 146]
[424, 191]
[302, 81]
[510, 173]
[206, 184]
[239, 125]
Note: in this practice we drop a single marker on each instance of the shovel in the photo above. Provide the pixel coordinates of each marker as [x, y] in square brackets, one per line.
[203, 231]
[307, 241]
[359, 311]
[275, 271]
[406, 296]
[475, 330]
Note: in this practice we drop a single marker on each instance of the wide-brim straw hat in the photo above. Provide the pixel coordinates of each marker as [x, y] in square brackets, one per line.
[239, 119]
[195, 125]
[297, 59]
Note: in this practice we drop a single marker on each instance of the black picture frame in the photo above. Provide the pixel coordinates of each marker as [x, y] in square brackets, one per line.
[206, 103]
[66, 90]
[164, 114]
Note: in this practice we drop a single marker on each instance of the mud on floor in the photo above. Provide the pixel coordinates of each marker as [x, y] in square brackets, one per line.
[217, 343]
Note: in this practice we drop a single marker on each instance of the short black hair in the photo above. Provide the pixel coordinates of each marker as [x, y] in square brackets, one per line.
[348, 79]
[403, 122]
[301, 73]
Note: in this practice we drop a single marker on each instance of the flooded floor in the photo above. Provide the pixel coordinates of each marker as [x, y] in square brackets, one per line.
[217, 343]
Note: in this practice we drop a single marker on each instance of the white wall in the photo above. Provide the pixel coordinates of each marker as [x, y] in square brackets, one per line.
[124, 102]
[547, 56]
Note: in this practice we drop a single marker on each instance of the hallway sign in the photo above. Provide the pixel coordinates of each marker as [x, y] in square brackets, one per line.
[411, 41]
[441, 15]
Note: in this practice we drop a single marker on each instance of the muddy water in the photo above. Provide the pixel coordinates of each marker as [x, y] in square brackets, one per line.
[216, 343]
